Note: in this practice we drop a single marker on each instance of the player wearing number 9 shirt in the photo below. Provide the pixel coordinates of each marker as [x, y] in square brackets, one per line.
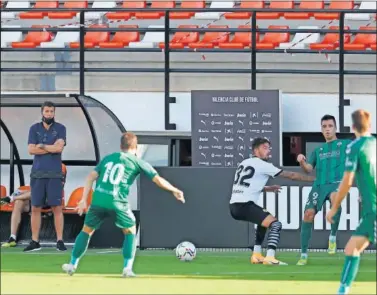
[114, 176]
[250, 181]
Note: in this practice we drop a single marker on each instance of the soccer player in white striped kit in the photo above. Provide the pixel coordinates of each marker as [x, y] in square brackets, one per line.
[249, 182]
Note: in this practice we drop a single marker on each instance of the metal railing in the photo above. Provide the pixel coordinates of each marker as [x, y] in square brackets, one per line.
[167, 70]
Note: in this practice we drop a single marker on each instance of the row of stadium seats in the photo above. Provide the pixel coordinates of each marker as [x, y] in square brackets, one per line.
[69, 208]
[239, 40]
[190, 4]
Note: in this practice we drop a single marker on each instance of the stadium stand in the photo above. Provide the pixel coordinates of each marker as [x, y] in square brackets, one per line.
[143, 18]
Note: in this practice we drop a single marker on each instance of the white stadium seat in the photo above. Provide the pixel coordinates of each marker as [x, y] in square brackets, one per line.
[63, 39]
[366, 4]
[8, 37]
[215, 15]
[14, 4]
[99, 4]
[313, 38]
[150, 40]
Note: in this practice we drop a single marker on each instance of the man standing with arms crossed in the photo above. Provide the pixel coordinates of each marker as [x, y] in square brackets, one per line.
[328, 160]
[46, 142]
[360, 163]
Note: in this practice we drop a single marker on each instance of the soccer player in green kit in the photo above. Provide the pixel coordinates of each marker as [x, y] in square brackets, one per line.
[328, 160]
[114, 176]
[360, 163]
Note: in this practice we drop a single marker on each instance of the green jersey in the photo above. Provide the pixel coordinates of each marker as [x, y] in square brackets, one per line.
[329, 161]
[116, 173]
[361, 159]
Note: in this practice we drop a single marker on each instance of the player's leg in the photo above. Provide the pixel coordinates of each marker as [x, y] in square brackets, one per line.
[125, 220]
[311, 209]
[260, 234]
[334, 226]
[54, 199]
[273, 239]
[38, 195]
[19, 207]
[363, 235]
[93, 220]
[251, 212]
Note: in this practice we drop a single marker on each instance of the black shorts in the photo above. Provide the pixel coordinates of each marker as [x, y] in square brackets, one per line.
[249, 211]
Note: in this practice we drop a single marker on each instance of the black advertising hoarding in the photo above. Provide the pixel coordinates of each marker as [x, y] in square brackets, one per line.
[224, 122]
[205, 219]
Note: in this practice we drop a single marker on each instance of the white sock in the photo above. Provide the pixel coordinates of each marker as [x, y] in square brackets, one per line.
[270, 253]
[13, 237]
[257, 249]
[304, 255]
[332, 239]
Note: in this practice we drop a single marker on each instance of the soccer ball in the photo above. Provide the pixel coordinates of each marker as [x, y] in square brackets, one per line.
[185, 251]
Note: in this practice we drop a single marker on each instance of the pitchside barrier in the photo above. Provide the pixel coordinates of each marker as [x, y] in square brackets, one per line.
[205, 219]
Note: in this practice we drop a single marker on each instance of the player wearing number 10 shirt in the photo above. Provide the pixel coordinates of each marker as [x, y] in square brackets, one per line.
[250, 181]
[114, 176]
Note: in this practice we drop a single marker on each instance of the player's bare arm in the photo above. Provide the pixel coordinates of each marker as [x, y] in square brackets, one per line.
[272, 188]
[57, 147]
[344, 187]
[296, 176]
[301, 159]
[164, 184]
[90, 179]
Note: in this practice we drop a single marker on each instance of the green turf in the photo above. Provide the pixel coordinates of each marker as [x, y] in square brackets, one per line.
[161, 271]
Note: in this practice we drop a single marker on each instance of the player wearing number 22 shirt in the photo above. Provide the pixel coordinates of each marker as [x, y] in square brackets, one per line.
[249, 182]
[114, 176]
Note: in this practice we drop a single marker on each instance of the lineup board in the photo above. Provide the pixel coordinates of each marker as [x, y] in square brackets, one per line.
[224, 123]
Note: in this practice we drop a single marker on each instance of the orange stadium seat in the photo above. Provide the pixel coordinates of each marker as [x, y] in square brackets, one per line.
[331, 40]
[126, 14]
[240, 39]
[272, 39]
[3, 191]
[122, 39]
[245, 4]
[9, 207]
[212, 39]
[75, 198]
[155, 14]
[187, 5]
[276, 4]
[362, 41]
[68, 14]
[34, 39]
[305, 4]
[92, 39]
[182, 39]
[334, 4]
[39, 15]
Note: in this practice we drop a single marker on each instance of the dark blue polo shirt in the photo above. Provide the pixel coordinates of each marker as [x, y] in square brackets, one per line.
[48, 163]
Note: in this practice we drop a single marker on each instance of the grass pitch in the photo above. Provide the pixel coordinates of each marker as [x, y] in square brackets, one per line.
[160, 272]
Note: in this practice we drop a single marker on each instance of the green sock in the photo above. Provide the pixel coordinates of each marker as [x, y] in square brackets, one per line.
[81, 244]
[335, 224]
[306, 234]
[350, 269]
[129, 249]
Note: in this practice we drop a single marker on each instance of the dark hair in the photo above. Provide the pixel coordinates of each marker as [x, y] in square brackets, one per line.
[128, 141]
[257, 142]
[48, 104]
[361, 120]
[328, 117]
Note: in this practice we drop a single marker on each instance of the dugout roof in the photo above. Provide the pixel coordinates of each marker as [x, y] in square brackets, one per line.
[92, 129]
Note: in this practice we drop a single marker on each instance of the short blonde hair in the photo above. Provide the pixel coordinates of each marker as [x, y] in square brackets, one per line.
[128, 141]
[361, 120]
